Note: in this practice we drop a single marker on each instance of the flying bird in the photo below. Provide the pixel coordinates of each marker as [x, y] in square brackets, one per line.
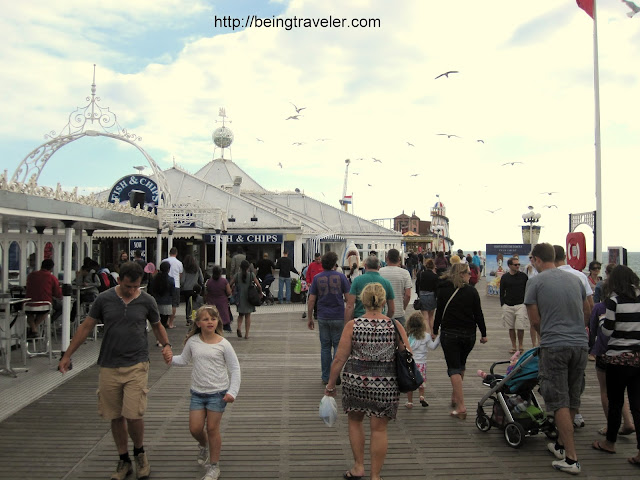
[297, 143]
[140, 167]
[369, 185]
[549, 206]
[259, 139]
[414, 174]
[298, 110]
[480, 140]
[448, 135]
[510, 163]
[446, 74]
[279, 164]
[376, 160]
[355, 173]
[547, 193]
[292, 117]
[321, 139]
[410, 144]
[634, 8]
[494, 211]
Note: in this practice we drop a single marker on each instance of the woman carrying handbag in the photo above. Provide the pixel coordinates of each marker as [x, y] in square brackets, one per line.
[459, 313]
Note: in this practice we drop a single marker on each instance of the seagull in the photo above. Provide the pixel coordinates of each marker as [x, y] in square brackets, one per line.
[446, 74]
[480, 140]
[376, 160]
[279, 164]
[410, 144]
[292, 117]
[369, 185]
[448, 135]
[140, 167]
[415, 175]
[547, 193]
[259, 139]
[298, 110]
[494, 211]
[510, 163]
[359, 159]
[355, 173]
[634, 8]
[321, 139]
[297, 143]
[549, 206]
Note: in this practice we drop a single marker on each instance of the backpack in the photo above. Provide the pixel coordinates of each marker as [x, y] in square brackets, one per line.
[107, 281]
[474, 275]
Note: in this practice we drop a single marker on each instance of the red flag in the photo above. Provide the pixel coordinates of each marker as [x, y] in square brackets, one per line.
[587, 6]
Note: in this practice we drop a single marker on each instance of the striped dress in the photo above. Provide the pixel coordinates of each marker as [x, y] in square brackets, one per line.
[369, 382]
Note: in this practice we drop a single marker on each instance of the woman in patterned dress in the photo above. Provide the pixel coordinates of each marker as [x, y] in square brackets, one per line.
[369, 384]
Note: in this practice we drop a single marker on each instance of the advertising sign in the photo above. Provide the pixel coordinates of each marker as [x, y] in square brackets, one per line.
[127, 187]
[246, 238]
[497, 255]
[138, 244]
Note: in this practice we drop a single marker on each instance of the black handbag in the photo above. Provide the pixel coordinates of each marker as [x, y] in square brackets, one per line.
[253, 294]
[417, 304]
[409, 377]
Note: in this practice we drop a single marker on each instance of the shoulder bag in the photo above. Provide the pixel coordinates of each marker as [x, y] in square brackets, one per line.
[253, 294]
[448, 302]
[409, 377]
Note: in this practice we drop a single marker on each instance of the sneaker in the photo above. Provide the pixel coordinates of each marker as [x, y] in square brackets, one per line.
[143, 469]
[304, 315]
[578, 421]
[122, 471]
[203, 454]
[212, 473]
[557, 452]
[563, 466]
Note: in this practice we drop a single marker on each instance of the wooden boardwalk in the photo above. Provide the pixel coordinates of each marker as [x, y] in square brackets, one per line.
[273, 430]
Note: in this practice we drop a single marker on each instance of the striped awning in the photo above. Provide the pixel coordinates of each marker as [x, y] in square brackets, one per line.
[313, 244]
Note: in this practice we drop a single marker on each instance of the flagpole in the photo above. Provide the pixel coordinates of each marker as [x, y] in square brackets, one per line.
[597, 254]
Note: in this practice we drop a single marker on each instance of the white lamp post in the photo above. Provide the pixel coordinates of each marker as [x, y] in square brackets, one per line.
[531, 217]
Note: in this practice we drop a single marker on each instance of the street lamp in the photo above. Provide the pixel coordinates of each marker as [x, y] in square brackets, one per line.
[438, 229]
[531, 217]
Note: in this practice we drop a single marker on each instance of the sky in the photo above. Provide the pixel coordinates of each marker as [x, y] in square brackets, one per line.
[524, 87]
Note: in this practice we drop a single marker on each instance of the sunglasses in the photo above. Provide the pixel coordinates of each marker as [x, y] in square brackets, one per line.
[515, 264]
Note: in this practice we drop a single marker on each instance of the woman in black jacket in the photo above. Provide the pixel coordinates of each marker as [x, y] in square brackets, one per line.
[459, 313]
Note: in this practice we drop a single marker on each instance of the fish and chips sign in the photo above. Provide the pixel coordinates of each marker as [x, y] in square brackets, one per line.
[246, 238]
[135, 189]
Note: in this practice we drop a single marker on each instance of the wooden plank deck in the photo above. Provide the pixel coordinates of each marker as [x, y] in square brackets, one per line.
[273, 430]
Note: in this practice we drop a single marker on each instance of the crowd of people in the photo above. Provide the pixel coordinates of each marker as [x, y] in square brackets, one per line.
[361, 321]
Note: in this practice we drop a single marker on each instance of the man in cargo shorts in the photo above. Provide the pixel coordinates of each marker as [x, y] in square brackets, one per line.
[124, 362]
[555, 303]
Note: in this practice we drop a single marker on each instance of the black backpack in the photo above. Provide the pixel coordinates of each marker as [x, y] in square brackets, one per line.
[107, 281]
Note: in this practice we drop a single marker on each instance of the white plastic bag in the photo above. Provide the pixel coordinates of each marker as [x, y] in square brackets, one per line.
[328, 410]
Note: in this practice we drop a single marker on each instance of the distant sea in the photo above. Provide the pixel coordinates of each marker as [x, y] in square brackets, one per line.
[633, 261]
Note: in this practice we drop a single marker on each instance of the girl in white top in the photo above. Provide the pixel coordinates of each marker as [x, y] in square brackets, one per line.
[215, 381]
[419, 342]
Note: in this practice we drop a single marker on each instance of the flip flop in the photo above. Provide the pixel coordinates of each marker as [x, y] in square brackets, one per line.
[627, 432]
[634, 461]
[596, 446]
[603, 431]
[512, 351]
[350, 476]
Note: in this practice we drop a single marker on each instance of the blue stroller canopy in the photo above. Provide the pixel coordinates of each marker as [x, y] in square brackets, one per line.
[526, 370]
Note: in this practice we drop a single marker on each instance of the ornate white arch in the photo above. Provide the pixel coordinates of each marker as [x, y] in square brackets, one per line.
[82, 123]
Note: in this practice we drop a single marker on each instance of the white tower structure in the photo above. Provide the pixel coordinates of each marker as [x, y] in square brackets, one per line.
[222, 136]
[440, 227]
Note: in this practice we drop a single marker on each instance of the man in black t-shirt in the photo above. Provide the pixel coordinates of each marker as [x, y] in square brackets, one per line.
[265, 266]
[514, 312]
[285, 266]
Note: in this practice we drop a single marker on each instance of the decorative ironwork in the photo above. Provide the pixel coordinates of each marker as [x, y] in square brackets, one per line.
[78, 126]
[188, 214]
[588, 218]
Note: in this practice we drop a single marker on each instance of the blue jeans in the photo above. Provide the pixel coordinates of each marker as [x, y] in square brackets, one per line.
[330, 333]
[281, 284]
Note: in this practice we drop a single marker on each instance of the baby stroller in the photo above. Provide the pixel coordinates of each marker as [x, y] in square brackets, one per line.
[514, 407]
[267, 296]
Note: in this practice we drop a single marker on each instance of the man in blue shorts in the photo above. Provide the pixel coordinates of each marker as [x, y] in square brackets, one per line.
[555, 303]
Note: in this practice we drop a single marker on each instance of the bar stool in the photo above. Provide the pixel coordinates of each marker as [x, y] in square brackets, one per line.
[44, 333]
[20, 333]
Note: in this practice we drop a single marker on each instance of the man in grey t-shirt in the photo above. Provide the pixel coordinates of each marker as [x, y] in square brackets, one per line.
[124, 362]
[555, 301]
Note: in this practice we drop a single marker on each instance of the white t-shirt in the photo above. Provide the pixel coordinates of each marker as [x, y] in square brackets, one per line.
[419, 347]
[399, 278]
[176, 269]
[580, 275]
[213, 364]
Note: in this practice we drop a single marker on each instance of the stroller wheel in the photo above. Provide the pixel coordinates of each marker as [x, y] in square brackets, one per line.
[514, 435]
[483, 423]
